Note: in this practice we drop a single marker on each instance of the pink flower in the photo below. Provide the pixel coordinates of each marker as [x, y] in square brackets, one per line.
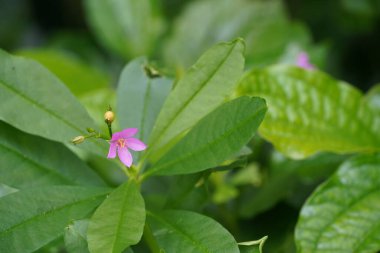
[303, 61]
[120, 143]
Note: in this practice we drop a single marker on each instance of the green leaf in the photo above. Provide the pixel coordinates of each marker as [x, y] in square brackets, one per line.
[215, 138]
[342, 215]
[308, 112]
[184, 231]
[140, 98]
[129, 28]
[76, 237]
[118, 222]
[23, 165]
[203, 88]
[35, 101]
[79, 77]
[31, 218]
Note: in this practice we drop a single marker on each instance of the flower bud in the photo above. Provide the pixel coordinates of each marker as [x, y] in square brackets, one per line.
[78, 139]
[90, 130]
[109, 116]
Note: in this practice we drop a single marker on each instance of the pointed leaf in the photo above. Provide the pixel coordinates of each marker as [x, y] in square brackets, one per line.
[203, 88]
[35, 101]
[28, 160]
[140, 98]
[184, 231]
[342, 215]
[215, 138]
[118, 222]
[32, 218]
[308, 111]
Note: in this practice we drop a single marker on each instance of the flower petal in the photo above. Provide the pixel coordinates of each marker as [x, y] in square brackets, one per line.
[112, 151]
[128, 132]
[125, 156]
[135, 144]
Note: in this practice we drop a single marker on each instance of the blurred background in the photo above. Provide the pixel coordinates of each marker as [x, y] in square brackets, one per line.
[341, 36]
[86, 44]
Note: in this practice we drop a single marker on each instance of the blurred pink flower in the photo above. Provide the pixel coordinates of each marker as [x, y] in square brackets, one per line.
[120, 143]
[303, 61]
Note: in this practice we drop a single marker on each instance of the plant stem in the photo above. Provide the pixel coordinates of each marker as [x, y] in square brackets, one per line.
[109, 129]
[150, 240]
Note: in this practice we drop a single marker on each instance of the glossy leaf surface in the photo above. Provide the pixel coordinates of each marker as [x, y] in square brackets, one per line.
[309, 111]
[342, 215]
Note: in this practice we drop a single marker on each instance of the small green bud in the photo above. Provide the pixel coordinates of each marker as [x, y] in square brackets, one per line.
[78, 139]
[90, 130]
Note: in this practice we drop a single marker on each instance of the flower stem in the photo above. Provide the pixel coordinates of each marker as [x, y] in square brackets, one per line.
[109, 129]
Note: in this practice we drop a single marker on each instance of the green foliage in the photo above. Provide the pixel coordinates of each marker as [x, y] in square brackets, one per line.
[76, 237]
[184, 231]
[119, 220]
[23, 166]
[309, 112]
[46, 210]
[127, 27]
[263, 25]
[342, 214]
[27, 104]
[140, 97]
[204, 87]
[215, 138]
[78, 76]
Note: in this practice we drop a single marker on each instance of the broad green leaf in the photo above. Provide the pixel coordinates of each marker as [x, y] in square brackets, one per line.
[252, 246]
[184, 231]
[204, 87]
[215, 138]
[308, 112]
[140, 98]
[342, 215]
[127, 27]
[31, 218]
[36, 102]
[79, 77]
[118, 222]
[76, 237]
[28, 160]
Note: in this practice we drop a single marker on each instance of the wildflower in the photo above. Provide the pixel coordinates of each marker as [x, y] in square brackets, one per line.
[303, 61]
[120, 143]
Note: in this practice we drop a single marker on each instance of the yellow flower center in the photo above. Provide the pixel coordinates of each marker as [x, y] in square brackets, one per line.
[121, 143]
